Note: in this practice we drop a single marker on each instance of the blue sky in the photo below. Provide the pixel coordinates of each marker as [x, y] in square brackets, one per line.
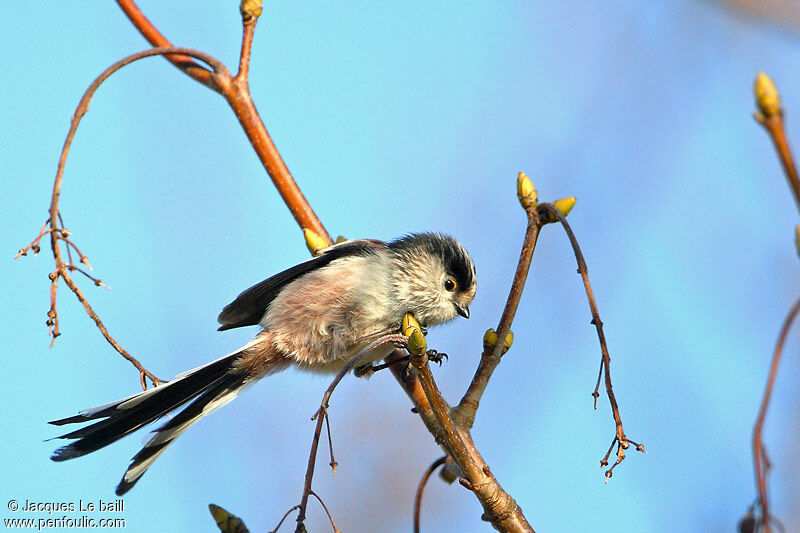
[408, 117]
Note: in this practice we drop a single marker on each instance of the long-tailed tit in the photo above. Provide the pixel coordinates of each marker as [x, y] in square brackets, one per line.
[316, 315]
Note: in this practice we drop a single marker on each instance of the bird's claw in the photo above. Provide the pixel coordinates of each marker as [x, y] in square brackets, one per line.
[436, 357]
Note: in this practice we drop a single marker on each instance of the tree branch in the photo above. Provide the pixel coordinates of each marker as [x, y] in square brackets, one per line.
[58, 233]
[500, 509]
[464, 413]
[620, 439]
[770, 115]
[421, 487]
[237, 93]
[155, 38]
[322, 414]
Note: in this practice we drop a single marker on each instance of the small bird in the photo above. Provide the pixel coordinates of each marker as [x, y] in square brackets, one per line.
[316, 315]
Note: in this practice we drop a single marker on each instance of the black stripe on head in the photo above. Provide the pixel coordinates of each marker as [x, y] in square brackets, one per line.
[454, 257]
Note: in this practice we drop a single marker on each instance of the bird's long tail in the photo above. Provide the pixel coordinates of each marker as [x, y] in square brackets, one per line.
[208, 387]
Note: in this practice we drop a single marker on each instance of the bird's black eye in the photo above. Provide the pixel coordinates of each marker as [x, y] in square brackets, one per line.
[449, 285]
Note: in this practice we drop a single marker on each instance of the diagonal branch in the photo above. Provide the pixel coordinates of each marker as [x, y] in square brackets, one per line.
[465, 412]
[237, 93]
[155, 38]
[500, 508]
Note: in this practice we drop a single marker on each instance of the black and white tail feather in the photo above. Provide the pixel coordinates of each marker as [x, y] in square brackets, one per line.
[208, 387]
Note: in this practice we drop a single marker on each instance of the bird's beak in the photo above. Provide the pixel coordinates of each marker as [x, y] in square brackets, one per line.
[462, 310]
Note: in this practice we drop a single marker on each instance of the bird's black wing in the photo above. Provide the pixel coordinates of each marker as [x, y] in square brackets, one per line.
[249, 307]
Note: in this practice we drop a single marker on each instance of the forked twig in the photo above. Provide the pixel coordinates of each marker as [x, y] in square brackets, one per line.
[322, 414]
[620, 439]
[59, 233]
[499, 506]
[34, 245]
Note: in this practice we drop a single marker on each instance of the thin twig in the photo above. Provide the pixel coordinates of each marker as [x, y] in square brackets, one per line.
[52, 313]
[327, 512]
[81, 298]
[421, 487]
[63, 234]
[760, 459]
[294, 508]
[250, 11]
[96, 281]
[83, 259]
[595, 393]
[321, 414]
[333, 464]
[620, 437]
[369, 369]
[60, 233]
[34, 244]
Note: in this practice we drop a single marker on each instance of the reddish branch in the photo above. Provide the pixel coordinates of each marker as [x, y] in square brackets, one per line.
[500, 509]
[236, 92]
[770, 116]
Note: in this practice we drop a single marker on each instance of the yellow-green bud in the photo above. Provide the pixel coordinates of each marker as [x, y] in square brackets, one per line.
[767, 98]
[417, 345]
[409, 322]
[565, 205]
[314, 242]
[509, 341]
[226, 522]
[490, 340]
[250, 9]
[526, 192]
[797, 239]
